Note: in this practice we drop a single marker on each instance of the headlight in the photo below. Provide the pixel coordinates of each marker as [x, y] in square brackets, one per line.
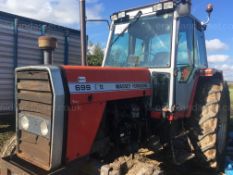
[24, 122]
[44, 128]
[35, 124]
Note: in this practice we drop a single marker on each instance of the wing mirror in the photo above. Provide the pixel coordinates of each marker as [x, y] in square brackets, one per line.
[209, 10]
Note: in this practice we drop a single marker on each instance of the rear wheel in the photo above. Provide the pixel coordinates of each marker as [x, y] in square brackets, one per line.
[209, 124]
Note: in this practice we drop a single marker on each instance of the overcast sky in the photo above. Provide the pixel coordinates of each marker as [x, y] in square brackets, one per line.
[219, 35]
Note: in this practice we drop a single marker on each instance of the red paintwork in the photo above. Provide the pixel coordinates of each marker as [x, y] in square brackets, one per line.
[156, 115]
[107, 74]
[83, 124]
[84, 116]
[209, 72]
[171, 117]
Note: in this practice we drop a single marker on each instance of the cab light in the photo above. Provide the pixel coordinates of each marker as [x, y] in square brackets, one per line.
[121, 15]
[114, 17]
[158, 7]
[168, 5]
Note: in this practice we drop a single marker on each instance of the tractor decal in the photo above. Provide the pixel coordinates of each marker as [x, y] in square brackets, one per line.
[79, 88]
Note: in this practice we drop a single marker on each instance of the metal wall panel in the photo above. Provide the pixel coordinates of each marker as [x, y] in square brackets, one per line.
[19, 47]
[28, 52]
[74, 50]
[59, 51]
[6, 66]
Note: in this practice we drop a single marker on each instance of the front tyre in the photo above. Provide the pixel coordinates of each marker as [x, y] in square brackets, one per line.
[209, 123]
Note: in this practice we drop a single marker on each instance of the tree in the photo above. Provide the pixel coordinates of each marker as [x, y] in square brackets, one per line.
[95, 55]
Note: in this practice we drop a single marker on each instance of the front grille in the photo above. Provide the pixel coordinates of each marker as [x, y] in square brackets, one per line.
[34, 98]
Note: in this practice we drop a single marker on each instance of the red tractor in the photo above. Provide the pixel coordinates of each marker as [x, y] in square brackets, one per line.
[154, 88]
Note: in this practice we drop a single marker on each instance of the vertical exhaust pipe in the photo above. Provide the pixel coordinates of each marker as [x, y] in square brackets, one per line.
[47, 45]
[82, 9]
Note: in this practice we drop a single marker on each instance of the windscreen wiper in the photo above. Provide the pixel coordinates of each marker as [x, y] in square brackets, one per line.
[135, 19]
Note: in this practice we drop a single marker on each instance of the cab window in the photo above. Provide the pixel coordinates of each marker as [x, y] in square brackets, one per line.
[201, 56]
[145, 42]
[185, 53]
[159, 53]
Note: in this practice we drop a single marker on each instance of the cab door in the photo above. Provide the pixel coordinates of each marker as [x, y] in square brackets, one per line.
[185, 64]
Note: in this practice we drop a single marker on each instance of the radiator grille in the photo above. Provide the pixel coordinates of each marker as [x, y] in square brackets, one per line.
[34, 98]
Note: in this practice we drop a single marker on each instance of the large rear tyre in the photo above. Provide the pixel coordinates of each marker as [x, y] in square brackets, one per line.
[209, 124]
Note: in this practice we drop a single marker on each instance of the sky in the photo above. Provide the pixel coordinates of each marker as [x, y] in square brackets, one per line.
[219, 34]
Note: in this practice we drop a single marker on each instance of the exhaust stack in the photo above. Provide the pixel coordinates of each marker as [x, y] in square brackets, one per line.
[47, 44]
[83, 32]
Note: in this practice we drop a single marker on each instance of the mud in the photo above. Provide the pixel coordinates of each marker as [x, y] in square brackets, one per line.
[146, 162]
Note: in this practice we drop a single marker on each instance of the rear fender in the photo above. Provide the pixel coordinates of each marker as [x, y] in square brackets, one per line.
[203, 75]
[211, 73]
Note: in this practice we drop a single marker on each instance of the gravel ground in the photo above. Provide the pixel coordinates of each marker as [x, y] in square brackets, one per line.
[6, 128]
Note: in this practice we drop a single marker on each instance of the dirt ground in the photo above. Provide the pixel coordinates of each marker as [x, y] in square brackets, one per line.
[156, 164]
[6, 128]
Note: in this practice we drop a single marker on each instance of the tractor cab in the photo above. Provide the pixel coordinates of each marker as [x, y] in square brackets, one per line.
[166, 39]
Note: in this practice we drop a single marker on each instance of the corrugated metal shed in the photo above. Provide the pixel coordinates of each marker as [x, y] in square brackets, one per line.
[18, 47]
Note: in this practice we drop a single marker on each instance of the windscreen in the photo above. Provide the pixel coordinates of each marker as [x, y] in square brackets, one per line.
[144, 42]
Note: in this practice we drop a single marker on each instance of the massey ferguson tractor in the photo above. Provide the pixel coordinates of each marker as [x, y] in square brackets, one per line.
[154, 92]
